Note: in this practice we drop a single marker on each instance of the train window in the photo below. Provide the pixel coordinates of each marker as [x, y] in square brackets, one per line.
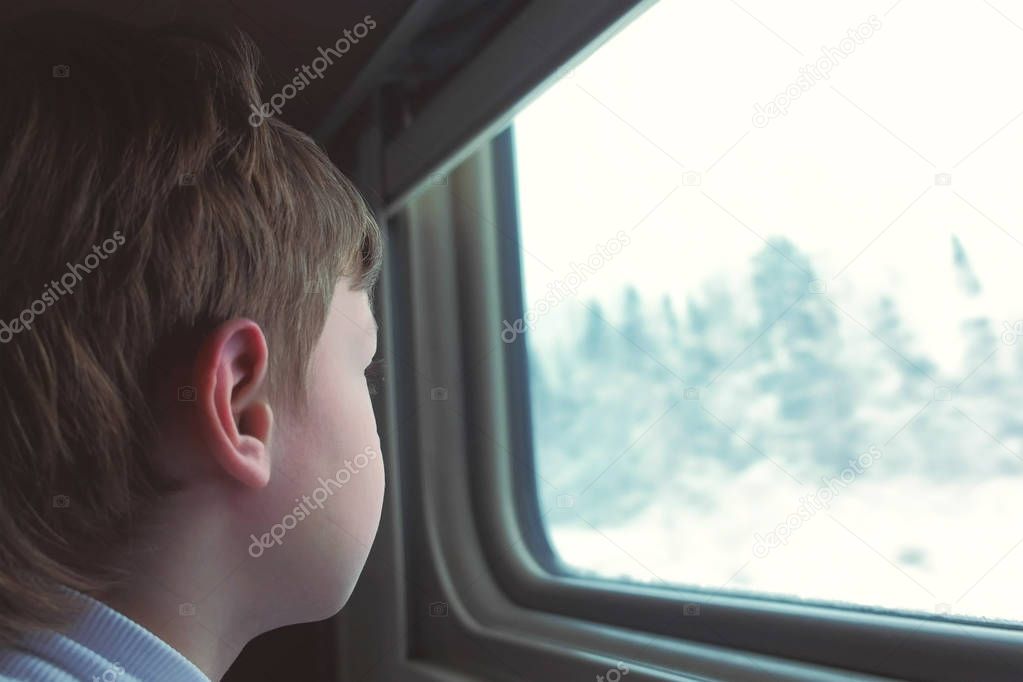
[771, 304]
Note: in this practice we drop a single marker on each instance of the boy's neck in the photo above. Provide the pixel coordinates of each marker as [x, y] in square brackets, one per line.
[187, 593]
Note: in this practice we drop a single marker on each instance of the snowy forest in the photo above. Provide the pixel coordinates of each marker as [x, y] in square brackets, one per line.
[661, 405]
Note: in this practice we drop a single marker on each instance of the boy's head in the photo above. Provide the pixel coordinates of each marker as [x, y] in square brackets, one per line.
[184, 329]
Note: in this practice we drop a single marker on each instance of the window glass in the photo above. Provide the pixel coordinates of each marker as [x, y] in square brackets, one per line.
[774, 303]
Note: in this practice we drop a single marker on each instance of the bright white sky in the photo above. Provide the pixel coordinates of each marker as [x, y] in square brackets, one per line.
[934, 90]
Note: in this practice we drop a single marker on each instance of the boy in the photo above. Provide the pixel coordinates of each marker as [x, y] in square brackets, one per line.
[188, 454]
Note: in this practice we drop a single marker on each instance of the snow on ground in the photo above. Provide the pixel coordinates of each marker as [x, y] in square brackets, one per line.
[898, 542]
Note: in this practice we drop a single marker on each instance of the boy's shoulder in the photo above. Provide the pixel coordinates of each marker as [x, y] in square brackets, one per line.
[101, 645]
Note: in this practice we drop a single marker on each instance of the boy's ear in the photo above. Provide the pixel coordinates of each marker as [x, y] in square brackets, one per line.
[233, 416]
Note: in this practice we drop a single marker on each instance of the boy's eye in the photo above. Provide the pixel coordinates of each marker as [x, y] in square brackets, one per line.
[375, 376]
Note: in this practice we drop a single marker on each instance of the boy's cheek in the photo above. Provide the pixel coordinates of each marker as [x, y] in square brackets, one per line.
[288, 456]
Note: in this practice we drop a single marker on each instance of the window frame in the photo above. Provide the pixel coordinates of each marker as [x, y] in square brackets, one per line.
[452, 454]
[867, 640]
[461, 524]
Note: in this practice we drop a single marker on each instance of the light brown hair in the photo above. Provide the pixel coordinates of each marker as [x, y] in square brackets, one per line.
[138, 208]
